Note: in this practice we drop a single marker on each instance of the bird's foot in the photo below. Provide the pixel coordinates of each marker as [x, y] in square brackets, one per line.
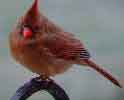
[44, 78]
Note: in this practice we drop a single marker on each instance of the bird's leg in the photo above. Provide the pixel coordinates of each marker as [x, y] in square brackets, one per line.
[44, 77]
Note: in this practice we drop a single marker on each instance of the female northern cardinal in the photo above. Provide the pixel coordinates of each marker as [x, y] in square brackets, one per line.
[46, 49]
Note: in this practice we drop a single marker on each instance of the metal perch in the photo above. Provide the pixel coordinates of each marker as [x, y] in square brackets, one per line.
[37, 84]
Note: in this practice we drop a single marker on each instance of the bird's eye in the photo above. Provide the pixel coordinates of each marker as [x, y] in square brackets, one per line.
[27, 32]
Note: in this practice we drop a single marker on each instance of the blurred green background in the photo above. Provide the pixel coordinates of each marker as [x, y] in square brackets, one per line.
[98, 23]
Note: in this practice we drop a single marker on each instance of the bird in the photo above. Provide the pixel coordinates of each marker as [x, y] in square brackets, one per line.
[46, 49]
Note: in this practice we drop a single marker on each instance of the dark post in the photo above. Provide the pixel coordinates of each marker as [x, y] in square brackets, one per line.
[37, 84]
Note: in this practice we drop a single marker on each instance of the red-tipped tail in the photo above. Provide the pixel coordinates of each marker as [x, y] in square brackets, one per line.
[103, 72]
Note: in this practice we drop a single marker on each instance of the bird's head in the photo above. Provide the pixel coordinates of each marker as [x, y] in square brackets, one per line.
[29, 23]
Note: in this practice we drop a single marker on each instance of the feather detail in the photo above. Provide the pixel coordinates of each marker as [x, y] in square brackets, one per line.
[66, 47]
[103, 72]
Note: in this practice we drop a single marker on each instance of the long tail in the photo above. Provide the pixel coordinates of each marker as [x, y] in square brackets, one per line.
[103, 72]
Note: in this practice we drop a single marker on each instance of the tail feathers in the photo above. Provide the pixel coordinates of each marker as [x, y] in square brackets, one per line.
[103, 72]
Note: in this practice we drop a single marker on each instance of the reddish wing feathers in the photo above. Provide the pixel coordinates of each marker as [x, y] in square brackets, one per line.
[66, 47]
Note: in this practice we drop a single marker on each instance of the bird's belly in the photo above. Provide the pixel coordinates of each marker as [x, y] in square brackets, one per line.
[41, 63]
[49, 67]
